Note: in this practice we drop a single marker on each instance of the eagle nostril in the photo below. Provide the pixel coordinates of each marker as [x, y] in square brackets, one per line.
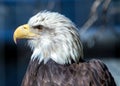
[24, 27]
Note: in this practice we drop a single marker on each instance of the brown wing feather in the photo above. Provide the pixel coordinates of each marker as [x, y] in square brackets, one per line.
[91, 73]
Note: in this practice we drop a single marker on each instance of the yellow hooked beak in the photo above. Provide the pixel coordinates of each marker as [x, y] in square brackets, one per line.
[22, 32]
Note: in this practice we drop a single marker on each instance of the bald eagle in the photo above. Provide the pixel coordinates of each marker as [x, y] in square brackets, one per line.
[57, 58]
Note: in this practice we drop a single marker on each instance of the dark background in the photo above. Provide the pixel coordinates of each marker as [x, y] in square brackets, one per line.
[101, 40]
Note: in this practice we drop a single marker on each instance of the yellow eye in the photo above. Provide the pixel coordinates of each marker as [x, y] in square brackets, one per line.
[39, 27]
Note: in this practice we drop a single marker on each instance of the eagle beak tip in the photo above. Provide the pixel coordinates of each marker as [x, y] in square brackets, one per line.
[15, 41]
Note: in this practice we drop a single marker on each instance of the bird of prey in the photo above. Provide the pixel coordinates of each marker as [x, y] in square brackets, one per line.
[57, 58]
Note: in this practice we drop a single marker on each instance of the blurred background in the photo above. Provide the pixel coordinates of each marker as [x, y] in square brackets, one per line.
[98, 22]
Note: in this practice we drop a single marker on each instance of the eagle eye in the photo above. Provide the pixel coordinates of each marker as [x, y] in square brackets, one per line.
[39, 27]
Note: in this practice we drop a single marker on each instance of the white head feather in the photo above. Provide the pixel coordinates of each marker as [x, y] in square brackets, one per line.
[59, 39]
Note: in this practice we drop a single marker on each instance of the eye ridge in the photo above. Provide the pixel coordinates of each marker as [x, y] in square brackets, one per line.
[38, 27]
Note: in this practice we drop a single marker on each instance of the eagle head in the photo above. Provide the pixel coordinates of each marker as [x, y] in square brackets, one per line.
[51, 36]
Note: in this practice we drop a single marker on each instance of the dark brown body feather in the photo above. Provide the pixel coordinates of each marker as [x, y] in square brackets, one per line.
[91, 73]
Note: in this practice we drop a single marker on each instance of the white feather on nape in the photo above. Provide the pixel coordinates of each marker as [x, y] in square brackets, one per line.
[58, 41]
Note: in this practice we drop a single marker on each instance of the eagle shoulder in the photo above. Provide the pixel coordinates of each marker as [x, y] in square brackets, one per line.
[86, 73]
